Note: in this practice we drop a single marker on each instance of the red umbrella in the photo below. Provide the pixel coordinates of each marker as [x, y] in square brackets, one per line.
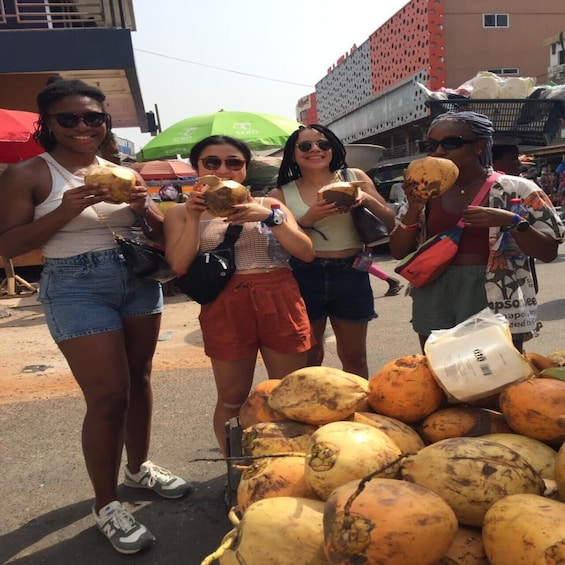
[16, 136]
[161, 170]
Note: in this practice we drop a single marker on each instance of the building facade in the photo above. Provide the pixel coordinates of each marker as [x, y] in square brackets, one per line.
[372, 93]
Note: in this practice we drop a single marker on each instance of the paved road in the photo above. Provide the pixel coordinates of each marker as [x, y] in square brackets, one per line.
[45, 517]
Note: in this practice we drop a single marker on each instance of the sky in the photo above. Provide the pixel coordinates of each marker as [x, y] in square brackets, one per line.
[200, 56]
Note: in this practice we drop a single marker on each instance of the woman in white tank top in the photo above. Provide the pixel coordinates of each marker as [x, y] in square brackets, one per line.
[104, 320]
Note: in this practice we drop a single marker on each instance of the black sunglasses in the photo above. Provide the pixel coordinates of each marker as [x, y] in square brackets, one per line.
[305, 146]
[71, 120]
[448, 143]
[214, 163]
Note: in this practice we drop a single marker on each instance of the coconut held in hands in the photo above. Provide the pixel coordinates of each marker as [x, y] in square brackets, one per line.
[342, 193]
[117, 179]
[434, 175]
[222, 195]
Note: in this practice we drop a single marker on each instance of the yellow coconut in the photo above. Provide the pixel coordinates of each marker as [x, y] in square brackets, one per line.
[255, 409]
[460, 421]
[405, 437]
[388, 522]
[559, 470]
[277, 531]
[269, 438]
[342, 193]
[342, 451]
[525, 529]
[118, 180]
[405, 389]
[471, 474]
[222, 195]
[434, 175]
[467, 549]
[271, 477]
[317, 395]
[539, 455]
[535, 407]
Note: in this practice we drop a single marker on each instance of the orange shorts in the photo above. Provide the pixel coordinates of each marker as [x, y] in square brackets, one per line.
[263, 309]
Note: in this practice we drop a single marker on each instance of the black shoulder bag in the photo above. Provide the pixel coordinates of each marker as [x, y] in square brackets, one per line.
[371, 229]
[210, 271]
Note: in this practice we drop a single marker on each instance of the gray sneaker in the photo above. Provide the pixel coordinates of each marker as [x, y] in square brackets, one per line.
[121, 528]
[162, 481]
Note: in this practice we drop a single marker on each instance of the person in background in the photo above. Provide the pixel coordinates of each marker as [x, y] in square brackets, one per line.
[109, 149]
[491, 267]
[260, 309]
[169, 194]
[396, 195]
[506, 159]
[332, 288]
[104, 321]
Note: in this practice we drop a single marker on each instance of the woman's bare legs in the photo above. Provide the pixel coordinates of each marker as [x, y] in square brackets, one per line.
[279, 365]
[233, 383]
[351, 343]
[141, 333]
[99, 365]
[315, 355]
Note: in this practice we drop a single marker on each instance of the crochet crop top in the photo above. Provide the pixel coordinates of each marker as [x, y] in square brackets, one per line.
[251, 248]
[333, 233]
[85, 233]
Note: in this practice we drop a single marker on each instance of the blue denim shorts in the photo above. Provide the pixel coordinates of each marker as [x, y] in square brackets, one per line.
[91, 293]
[332, 288]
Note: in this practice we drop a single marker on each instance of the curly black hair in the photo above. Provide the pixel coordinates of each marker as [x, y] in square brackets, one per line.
[290, 171]
[57, 89]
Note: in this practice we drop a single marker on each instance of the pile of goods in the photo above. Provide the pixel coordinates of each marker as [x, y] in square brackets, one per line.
[489, 86]
[388, 471]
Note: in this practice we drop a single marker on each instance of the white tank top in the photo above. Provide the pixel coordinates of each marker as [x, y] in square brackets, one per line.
[85, 233]
[333, 233]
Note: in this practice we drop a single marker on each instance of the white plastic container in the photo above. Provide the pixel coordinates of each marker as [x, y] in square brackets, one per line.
[475, 358]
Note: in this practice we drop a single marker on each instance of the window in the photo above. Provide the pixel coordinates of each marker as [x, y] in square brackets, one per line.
[561, 57]
[505, 71]
[496, 20]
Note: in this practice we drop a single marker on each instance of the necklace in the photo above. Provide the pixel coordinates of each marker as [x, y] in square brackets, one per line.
[463, 189]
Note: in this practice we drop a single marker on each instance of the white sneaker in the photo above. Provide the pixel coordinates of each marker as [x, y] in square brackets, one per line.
[121, 528]
[162, 481]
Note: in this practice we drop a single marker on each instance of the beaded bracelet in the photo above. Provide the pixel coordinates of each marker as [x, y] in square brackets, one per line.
[408, 227]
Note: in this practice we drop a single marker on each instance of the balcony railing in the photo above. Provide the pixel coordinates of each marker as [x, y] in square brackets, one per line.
[60, 14]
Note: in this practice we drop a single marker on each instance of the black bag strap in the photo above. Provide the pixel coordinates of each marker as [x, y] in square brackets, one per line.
[232, 235]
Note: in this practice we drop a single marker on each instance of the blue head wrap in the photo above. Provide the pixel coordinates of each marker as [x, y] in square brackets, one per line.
[479, 124]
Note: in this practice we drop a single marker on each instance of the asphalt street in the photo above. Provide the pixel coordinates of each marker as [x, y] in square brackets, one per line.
[45, 492]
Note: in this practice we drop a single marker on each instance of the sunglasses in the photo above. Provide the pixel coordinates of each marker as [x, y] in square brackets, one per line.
[214, 163]
[448, 143]
[305, 146]
[71, 120]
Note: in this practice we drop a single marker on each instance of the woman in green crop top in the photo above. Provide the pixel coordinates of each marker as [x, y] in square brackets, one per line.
[332, 288]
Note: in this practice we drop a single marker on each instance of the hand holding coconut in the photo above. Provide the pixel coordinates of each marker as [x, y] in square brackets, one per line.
[119, 181]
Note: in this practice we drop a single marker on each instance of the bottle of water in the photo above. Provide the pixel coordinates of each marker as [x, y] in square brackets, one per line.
[274, 249]
[517, 207]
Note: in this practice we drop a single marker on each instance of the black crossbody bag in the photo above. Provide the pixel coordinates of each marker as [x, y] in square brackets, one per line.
[210, 271]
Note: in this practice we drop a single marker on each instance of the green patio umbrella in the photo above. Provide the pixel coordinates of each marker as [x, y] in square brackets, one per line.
[259, 131]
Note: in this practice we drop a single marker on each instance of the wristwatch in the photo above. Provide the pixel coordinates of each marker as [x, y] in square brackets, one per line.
[518, 223]
[522, 225]
[276, 218]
